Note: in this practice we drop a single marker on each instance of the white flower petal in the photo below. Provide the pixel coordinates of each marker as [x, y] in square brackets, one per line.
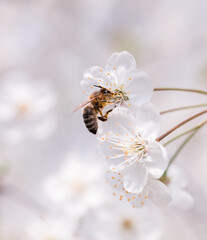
[158, 192]
[156, 160]
[115, 179]
[135, 178]
[120, 121]
[181, 199]
[123, 63]
[177, 176]
[137, 200]
[96, 76]
[139, 86]
[112, 155]
[148, 118]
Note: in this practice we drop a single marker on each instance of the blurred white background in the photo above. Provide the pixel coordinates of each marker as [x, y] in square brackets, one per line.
[52, 184]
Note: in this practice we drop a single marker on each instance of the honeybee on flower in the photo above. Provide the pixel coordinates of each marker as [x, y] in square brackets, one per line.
[126, 87]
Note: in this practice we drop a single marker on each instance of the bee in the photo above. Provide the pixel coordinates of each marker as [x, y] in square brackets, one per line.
[94, 106]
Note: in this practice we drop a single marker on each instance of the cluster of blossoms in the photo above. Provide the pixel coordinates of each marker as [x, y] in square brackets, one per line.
[26, 107]
[137, 161]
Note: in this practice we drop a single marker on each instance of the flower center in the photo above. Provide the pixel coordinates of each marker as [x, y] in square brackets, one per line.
[127, 224]
[22, 108]
[120, 96]
[131, 148]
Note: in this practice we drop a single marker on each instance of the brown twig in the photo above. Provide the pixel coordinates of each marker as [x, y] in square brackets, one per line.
[179, 125]
[181, 89]
[183, 108]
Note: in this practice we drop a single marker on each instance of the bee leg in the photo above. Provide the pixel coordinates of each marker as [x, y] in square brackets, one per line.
[103, 118]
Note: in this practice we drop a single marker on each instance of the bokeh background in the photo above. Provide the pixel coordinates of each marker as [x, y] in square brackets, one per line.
[52, 177]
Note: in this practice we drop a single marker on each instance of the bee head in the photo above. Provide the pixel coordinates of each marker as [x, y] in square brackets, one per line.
[105, 91]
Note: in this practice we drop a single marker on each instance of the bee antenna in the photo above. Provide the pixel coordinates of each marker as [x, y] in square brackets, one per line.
[97, 86]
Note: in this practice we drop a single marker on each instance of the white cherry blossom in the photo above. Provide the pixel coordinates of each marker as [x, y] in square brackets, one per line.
[76, 184]
[154, 191]
[130, 86]
[51, 228]
[26, 107]
[115, 221]
[177, 181]
[129, 145]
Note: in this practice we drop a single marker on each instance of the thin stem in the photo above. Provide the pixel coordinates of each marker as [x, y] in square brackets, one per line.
[179, 150]
[181, 89]
[183, 108]
[186, 132]
[179, 125]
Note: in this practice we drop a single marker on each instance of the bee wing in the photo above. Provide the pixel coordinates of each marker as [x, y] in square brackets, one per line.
[82, 105]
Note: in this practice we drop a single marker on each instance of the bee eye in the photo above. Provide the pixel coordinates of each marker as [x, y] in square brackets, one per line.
[105, 91]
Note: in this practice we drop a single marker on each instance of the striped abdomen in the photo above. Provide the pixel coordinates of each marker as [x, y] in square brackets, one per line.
[90, 119]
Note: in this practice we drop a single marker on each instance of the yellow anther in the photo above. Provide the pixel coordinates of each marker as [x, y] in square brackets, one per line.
[100, 70]
[129, 78]
[140, 195]
[83, 91]
[130, 123]
[121, 197]
[108, 73]
[114, 68]
[113, 177]
[115, 186]
[117, 135]
[111, 147]
[114, 194]
[129, 200]
[114, 85]
[142, 203]
[106, 182]
[103, 138]
[133, 197]
[109, 88]
[89, 78]
[146, 197]
[127, 191]
[99, 80]
[111, 85]
[91, 86]
[126, 153]
[133, 206]
[129, 104]
[107, 157]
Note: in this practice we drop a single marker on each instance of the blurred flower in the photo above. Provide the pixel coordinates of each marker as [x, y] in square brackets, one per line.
[115, 222]
[52, 228]
[129, 85]
[77, 184]
[130, 147]
[176, 181]
[154, 191]
[26, 107]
